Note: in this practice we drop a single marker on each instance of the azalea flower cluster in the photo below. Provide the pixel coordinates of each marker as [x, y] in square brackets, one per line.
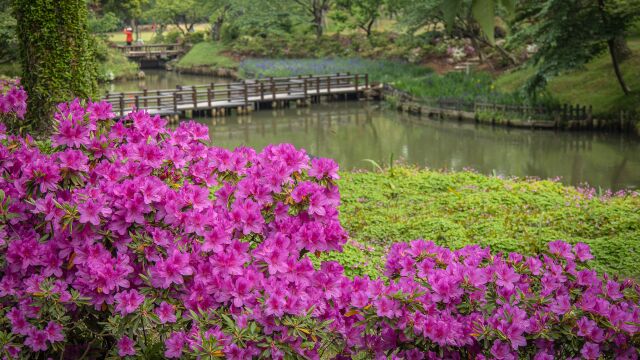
[148, 229]
[13, 98]
[13, 104]
[469, 303]
[126, 238]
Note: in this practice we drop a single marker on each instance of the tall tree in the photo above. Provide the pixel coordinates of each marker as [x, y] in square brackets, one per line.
[317, 10]
[128, 10]
[184, 14]
[569, 33]
[56, 53]
[220, 13]
[364, 13]
[463, 18]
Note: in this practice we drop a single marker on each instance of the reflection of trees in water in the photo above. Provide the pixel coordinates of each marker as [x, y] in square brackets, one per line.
[353, 132]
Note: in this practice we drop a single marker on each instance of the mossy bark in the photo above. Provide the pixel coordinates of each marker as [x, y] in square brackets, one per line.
[57, 56]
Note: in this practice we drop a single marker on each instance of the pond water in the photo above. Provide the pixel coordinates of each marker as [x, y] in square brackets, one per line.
[155, 79]
[350, 132]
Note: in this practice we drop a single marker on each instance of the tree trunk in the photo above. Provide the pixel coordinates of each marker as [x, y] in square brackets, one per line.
[56, 54]
[318, 22]
[616, 66]
[621, 48]
[216, 29]
[370, 26]
[616, 48]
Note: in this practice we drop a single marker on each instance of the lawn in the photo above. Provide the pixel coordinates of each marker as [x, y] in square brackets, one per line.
[594, 85]
[207, 54]
[457, 209]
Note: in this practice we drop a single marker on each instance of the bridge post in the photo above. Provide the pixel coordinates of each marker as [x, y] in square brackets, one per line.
[158, 100]
[273, 88]
[318, 87]
[209, 96]
[261, 90]
[175, 102]
[356, 84]
[246, 95]
[194, 96]
[305, 88]
[144, 93]
[121, 105]
[137, 99]
[366, 81]
[329, 84]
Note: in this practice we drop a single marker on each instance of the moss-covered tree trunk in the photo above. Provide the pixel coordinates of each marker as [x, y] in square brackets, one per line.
[57, 57]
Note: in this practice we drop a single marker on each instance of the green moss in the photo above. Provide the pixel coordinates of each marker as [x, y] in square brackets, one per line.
[457, 209]
[207, 54]
[594, 85]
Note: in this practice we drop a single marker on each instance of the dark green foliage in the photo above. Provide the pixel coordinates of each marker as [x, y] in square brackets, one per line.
[57, 56]
[8, 39]
[570, 33]
[103, 24]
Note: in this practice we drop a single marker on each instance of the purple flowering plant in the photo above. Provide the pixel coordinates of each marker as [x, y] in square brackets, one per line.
[128, 238]
[13, 104]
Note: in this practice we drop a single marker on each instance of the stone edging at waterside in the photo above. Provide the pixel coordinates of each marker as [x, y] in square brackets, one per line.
[566, 117]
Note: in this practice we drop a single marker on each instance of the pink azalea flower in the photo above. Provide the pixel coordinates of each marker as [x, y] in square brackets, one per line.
[126, 347]
[166, 313]
[128, 301]
[174, 345]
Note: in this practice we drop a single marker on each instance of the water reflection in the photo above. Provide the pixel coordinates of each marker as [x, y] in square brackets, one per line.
[156, 79]
[350, 132]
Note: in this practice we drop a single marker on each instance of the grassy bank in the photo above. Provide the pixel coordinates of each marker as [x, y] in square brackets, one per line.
[207, 54]
[113, 65]
[456, 209]
[10, 69]
[594, 85]
[417, 80]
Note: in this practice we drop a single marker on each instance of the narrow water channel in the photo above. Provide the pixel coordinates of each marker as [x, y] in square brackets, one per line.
[353, 131]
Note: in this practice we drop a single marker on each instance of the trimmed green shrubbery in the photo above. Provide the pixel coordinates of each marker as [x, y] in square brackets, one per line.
[458, 209]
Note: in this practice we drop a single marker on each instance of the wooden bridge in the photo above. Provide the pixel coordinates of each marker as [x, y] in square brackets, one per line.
[244, 96]
[156, 53]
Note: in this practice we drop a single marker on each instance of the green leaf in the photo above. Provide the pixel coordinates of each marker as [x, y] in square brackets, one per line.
[484, 11]
[450, 9]
[509, 6]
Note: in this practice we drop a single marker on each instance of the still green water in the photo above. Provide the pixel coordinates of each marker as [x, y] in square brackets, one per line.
[350, 132]
[159, 80]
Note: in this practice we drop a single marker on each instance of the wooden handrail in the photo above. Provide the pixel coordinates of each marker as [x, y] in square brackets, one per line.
[195, 97]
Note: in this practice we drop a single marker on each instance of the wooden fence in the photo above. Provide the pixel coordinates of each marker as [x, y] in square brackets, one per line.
[566, 116]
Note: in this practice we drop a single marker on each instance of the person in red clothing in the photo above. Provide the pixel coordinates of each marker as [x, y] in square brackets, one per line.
[129, 34]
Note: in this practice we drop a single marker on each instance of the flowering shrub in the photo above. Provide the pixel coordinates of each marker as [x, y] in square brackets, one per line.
[470, 303]
[13, 103]
[131, 239]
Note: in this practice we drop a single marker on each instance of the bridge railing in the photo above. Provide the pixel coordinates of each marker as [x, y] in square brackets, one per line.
[242, 93]
[153, 49]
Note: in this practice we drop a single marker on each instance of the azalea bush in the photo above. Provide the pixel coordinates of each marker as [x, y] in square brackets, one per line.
[13, 104]
[126, 238]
